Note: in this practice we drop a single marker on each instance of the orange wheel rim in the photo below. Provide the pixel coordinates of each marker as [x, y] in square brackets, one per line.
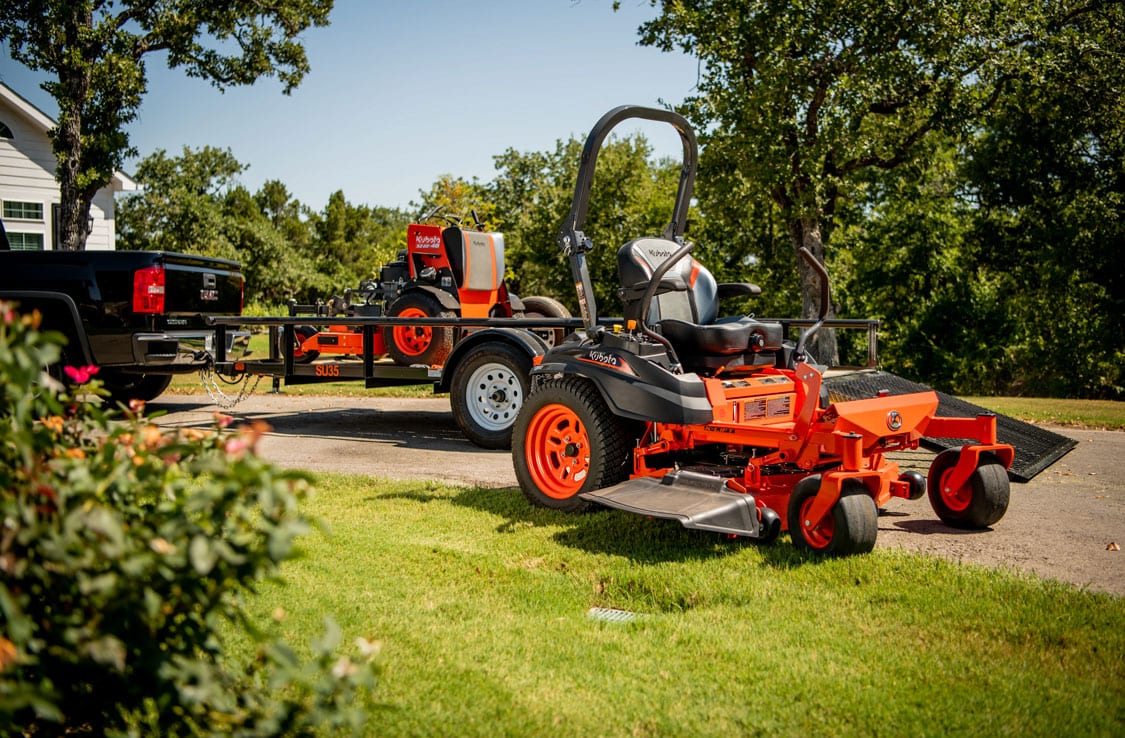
[557, 451]
[957, 500]
[819, 535]
[412, 340]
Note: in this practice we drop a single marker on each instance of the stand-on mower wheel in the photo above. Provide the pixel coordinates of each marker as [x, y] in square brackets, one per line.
[849, 528]
[488, 389]
[566, 441]
[408, 345]
[302, 333]
[537, 306]
[979, 502]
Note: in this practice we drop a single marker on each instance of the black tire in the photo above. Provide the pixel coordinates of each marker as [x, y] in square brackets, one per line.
[302, 333]
[978, 503]
[538, 306]
[488, 389]
[124, 387]
[850, 528]
[418, 345]
[566, 441]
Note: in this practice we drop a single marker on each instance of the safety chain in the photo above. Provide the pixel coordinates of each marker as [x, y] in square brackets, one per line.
[211, 380]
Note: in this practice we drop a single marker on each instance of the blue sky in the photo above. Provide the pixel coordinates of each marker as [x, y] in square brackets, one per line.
[404, 91]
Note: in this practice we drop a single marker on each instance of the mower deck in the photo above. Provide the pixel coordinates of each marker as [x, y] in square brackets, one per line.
[696, 500]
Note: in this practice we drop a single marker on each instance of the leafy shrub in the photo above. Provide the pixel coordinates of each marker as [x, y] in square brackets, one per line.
[126, 552]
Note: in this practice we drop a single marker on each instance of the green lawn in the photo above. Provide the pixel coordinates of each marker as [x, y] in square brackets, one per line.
[482, 603]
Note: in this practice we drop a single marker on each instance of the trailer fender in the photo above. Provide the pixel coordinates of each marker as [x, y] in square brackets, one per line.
[518, 338]
[60, 314]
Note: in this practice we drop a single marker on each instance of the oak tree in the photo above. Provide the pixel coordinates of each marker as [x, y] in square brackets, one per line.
[95, 52]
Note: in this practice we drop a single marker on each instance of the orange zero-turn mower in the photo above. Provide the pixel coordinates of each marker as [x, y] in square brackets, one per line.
[721, 423]
[446, 271]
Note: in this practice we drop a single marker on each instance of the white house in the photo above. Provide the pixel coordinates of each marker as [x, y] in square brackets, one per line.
[29, 193]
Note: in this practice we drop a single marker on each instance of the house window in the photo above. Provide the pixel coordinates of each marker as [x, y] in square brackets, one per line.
[5, 132]
[16, 210]
[26, 241]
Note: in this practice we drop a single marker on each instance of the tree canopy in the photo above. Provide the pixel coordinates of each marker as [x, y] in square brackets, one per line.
[96, 52]
[800, 98]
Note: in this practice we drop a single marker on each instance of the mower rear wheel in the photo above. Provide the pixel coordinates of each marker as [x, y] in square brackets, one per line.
[487, 391]
[849, 528]
[409, 345]
[566, 441]
[537, 306]
[978, 503]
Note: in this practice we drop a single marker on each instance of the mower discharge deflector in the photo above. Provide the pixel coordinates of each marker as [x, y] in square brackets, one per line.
[698, 501]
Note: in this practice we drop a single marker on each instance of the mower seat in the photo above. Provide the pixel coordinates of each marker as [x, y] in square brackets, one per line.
[686, 306]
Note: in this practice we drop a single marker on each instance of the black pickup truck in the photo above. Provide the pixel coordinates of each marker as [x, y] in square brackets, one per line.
[137, 315]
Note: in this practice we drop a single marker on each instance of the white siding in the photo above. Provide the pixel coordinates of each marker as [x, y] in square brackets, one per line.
[27, 174]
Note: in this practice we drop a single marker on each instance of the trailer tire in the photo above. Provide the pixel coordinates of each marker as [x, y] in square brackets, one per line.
[488, 389]
[410, 345]
[850, 527]
[566, 441]
[538, 306]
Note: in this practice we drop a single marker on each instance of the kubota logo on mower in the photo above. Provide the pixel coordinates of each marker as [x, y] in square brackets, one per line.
[604, 358]
[427, 243]
[894, 420]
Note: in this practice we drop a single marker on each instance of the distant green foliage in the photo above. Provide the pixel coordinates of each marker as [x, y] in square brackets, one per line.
[127, 553]
[193, 203]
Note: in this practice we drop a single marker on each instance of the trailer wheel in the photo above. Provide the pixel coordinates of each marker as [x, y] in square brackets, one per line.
[978, 503]
[849, 528]
[566, 441]
[124, 387]
[487, 391]
[537, 306]
[409, 345]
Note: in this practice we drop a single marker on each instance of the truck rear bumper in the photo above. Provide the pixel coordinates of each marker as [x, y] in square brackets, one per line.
[184, 350]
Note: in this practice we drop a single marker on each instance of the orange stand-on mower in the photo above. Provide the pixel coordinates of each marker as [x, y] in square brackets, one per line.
[446, 271]
[723, 424]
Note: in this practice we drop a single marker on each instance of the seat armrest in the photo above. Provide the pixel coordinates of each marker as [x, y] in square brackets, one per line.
[735, 289]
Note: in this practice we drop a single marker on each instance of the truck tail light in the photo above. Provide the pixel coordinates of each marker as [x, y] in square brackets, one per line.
[148, 290]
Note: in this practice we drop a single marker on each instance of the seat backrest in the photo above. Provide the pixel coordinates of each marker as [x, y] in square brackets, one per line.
[636, 262]
[475, 258]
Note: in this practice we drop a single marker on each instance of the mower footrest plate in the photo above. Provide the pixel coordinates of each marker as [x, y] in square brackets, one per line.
[696, 500]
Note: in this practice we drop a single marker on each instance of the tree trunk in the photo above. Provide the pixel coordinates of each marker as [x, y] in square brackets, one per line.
[74, 204]
[806, 232]
[74, 198]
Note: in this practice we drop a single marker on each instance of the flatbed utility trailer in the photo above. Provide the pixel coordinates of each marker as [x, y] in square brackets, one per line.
[487, 374]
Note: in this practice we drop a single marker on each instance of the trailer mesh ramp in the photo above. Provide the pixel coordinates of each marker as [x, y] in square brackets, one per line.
[1036, 448]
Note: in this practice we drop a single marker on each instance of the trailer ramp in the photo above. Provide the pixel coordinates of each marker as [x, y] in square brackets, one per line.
[1036, 448]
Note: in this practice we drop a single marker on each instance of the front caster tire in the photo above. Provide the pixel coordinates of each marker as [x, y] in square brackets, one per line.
[978, 503]
[849, 528]
[487, 391]
[566, 441]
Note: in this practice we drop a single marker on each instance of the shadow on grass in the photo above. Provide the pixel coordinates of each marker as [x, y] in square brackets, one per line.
[615, 533]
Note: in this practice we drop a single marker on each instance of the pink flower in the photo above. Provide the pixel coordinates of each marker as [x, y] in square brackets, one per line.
[80, 374]
[222, 420]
